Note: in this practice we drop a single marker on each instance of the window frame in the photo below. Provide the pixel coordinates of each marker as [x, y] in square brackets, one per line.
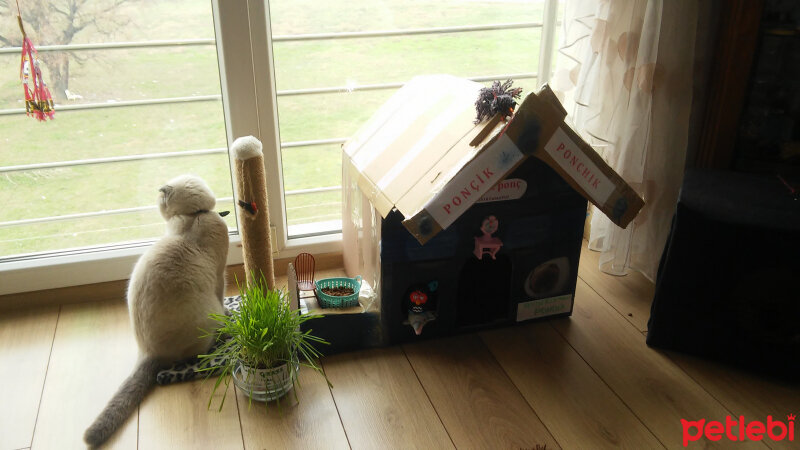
[244, 48]
[247, 75]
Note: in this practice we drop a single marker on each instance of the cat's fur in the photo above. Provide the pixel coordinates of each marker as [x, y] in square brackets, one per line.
[174, 287]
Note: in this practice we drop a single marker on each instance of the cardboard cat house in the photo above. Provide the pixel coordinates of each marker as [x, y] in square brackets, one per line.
[454, 232]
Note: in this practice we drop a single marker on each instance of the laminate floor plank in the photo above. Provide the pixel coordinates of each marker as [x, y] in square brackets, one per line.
[310, 422]
[659, 392]
[176, 416]
[381, 403]
[26, 338]
[478, 404]
[743, 393]
[93, 352]
[573, 402]
[631, 295]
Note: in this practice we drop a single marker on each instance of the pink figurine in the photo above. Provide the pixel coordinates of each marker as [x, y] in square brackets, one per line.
[486, 243]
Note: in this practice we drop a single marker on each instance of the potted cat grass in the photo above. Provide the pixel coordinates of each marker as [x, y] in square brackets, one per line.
[260, 346]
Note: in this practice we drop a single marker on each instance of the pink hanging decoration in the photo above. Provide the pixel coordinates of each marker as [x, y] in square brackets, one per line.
[38, 101]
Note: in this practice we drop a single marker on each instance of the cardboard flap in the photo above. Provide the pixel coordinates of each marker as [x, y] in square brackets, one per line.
[410, 148]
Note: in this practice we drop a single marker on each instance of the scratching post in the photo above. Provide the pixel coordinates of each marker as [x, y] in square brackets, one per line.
[251, 191]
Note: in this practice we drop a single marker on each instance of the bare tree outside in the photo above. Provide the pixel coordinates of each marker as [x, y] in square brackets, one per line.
[58, 22]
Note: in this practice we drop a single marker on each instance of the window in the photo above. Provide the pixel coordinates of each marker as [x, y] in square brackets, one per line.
[138, 101]
[327, 66]
[142, 103]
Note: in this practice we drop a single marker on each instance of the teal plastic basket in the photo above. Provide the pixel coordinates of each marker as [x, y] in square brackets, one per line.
[331, 301]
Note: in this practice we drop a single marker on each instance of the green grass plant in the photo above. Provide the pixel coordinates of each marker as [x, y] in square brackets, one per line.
[264, 333]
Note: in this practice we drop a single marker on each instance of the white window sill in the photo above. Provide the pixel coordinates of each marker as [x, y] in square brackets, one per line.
[102, 264]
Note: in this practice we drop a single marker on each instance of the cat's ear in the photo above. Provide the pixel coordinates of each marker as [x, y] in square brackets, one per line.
[166, 190]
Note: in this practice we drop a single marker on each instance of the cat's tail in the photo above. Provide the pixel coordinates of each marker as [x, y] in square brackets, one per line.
[124, 401]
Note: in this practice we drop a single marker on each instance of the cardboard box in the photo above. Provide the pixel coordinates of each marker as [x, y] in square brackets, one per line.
[415, 155]
[418, 192]
[530, 274]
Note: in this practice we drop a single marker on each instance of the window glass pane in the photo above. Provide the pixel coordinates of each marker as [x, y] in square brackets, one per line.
[356, 67]
[313, 16]
[313, 192]
[396, 59]
[91, 176]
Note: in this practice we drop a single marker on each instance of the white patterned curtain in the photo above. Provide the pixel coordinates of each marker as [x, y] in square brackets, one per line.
[624, 73]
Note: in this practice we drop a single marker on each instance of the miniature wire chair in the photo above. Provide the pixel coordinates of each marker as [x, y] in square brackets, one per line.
[304, 267]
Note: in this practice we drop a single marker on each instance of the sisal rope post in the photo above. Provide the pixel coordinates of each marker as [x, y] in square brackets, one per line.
[251, 191]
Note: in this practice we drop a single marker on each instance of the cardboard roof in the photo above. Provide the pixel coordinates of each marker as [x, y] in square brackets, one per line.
[415, 154]
[415, 143]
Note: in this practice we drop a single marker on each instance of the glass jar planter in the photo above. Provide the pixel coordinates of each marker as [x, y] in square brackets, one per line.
[265, 385]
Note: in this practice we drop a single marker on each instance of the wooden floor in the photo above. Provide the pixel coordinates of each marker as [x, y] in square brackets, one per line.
[588, 381]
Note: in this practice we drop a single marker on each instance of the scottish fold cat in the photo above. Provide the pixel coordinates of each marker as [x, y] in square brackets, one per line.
[174, 287]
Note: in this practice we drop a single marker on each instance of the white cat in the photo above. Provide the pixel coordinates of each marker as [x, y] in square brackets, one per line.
[174, 287]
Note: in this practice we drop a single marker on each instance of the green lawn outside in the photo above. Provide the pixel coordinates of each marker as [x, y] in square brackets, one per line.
[133, 74]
